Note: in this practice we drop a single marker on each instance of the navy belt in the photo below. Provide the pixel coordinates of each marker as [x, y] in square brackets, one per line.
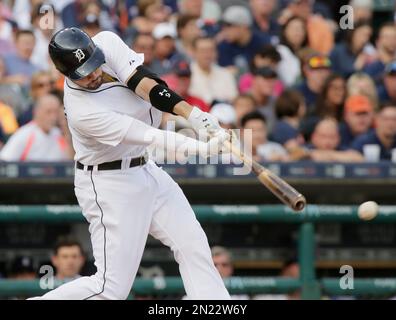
[114, 165]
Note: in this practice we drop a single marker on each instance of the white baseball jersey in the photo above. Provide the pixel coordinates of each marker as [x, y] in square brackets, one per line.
[31, 143]
[99, 119]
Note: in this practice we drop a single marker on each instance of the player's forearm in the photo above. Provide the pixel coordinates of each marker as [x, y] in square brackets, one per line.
[144, 88]
[183, 109]
[155, 91]
[142, 134]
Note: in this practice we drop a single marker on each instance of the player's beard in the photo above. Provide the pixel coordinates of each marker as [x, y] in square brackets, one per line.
[95, 84]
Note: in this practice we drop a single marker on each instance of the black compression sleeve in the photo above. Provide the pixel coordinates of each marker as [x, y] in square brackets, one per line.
[163, 98]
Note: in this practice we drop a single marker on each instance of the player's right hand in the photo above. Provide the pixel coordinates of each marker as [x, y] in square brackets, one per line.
[203, 123]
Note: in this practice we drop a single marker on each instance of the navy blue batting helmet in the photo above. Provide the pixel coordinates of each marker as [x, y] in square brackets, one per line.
[74, 53]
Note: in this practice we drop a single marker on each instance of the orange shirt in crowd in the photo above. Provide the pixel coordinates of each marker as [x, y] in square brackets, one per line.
[320, 35]
[8, 121]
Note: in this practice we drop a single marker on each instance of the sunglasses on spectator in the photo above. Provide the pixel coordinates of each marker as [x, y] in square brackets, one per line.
[319, 62]
[227, 24]
[223, 264]
[391, 69]
[40, 85]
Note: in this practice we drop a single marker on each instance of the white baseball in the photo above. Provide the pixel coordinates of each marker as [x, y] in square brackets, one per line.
[368, 210]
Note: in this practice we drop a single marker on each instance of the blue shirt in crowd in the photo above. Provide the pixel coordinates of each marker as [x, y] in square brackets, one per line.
[309, 95]
[383, 95]
[375, 70]
[372, 138]
[346, 135]
[283, 132]
[16, 65]
[342, 60]
[231, 53]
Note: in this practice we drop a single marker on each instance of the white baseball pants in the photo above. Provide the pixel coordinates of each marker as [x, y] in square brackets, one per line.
[122, 208]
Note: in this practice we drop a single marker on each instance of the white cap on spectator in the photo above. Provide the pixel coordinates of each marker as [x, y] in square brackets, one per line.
[238, 15]
[362, 4]
[163, 30]
[224, 112]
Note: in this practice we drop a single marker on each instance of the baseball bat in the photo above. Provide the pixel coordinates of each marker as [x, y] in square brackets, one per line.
[280, 188]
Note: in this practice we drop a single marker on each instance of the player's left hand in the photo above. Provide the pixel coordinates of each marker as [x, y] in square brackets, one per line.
[203, 123]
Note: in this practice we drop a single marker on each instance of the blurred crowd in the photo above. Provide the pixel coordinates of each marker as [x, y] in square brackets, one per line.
[305, 88]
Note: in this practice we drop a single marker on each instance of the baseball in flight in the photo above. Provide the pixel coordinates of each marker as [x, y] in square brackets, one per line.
[368, 210]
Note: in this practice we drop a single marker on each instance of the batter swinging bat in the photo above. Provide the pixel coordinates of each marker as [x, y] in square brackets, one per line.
[285, 192]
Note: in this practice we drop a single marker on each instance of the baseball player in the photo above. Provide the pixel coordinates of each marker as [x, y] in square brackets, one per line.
[113, 106]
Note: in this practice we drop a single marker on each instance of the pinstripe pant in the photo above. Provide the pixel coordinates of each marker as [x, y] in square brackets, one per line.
[122, 208]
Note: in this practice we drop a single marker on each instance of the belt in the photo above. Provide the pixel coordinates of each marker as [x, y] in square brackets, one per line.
[114, 165]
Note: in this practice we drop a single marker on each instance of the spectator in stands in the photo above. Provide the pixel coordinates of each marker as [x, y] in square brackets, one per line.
[101, 11]
[42, 84]
[361, 84]
[319, 29]
[291, 269]
[290, 109]
[180, 82]
[22, 268]
[73, 14]
[385, 51]
[145, 43]
[91, 25]
[18, 67]
[8, 122]
[267, 56]
[316, 69]
[293, 38]
[68, 259]
[243, 104]
[165, 51]
[188, 31]
[193, 8]
[209, 81]
[263, 18]
[39, 140]
[263, 93]
[222, 260]
[151, 13]
[183, 73]
[11, 93]
[255, 134]
[240, 42]
[358, 119]
[330, 101]
[225, 114]
[362, 9]
[40, 56]
[325, 144]
[208, 10]
[355, 52]
[387, 91]
[383, 136]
